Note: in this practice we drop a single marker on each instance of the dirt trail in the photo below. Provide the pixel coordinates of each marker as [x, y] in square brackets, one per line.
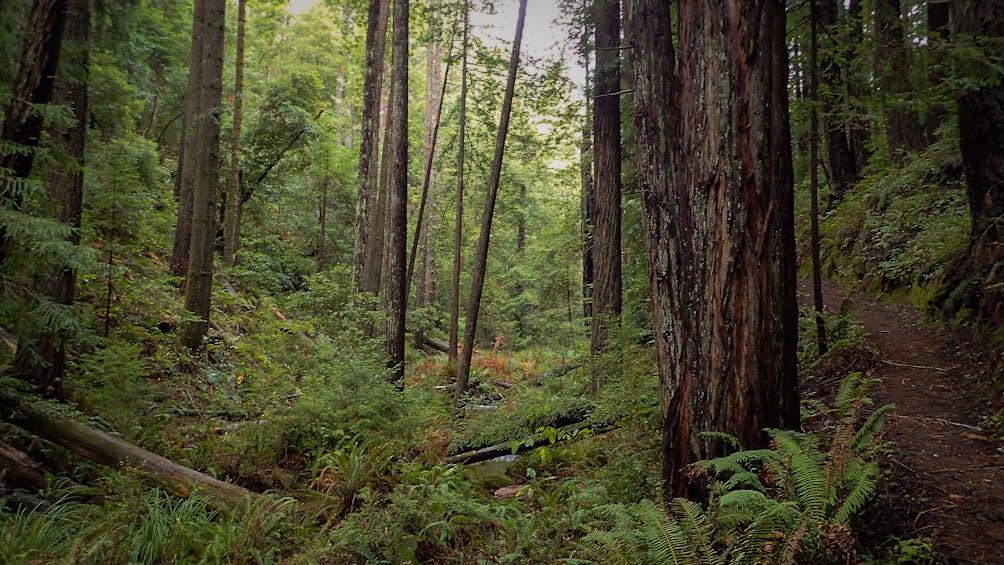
[948, 465]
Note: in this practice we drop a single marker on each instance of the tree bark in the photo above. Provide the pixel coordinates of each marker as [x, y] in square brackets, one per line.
[188, 157]
[606, 241]
[66, 189]
[199, 282]
[231, 224]
[458, 225]
[817, 277]
[33, 85]
[376, 39]
[981, 140]
[393, 294]
[840, 157]
[588, 204]
[481, 258]
[904, 130]
[717, 199]
[109, 450]
[858, 88]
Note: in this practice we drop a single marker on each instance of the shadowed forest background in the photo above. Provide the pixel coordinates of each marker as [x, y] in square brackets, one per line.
[360, 282]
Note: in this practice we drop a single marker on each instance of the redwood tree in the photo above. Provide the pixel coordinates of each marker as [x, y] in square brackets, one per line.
[231, 221]
[393, 294]
[209, 32]
[714, 161]
[606, 236]
[41, 356]
[376, 40]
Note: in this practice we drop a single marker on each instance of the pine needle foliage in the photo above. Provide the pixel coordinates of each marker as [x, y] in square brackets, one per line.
[791, 503]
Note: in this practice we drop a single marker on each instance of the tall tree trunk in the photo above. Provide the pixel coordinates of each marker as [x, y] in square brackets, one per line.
[33, 85]
[903, 127]
[842, 169]
[231, 235]
[717, 199]
[376, 257]
[858, 88]
[458, 226]
[376, 40]
[587, 202]
[981, 139]
[481, 258]
[817, 278]
[521, 304]
[423, 244]
[66, 188]
[322, 216]
[393, 294]
[188, 153]
[199, 282]
[607, 191]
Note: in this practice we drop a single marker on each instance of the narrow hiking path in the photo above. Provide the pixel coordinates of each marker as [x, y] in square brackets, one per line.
[947, 462]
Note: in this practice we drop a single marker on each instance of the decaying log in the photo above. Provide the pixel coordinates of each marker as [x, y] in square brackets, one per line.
[18, 469]
[107, 449]
[437, 344]
[534, 441]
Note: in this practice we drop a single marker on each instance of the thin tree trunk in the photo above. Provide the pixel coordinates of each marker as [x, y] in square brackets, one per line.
[587, 203]
[432, 133]
[718, 210]
[322, 217]
[859, 132]
[393, 294]
[842, 169]
[458, 226]
[376, 256]
[607, 192]
[66, 188]
[817, 278]
[230, 222]
[199, 282]
[423, 244]
[481, 258]
[188, 160]
[376, 39]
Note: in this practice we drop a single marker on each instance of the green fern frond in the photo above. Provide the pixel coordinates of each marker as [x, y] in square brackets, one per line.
[851, 388]
[864, 488]
[871, 428]
[806, 471]
[694, 521]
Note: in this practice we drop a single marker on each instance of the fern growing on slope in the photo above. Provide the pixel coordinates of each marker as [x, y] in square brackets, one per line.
[788, 504]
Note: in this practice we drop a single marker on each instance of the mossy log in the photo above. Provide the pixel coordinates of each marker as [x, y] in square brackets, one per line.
[536, 440]
[106, 449]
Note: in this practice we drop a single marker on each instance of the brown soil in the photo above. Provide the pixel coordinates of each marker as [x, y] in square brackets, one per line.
[947, 464]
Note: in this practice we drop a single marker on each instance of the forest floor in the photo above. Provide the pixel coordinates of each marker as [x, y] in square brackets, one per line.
[947, 459]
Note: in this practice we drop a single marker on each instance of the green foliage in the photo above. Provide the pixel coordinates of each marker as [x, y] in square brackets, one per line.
[137, 526]
[790, 503]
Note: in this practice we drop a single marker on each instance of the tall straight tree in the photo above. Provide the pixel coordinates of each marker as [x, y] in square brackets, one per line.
[814, 99]
[231, 219]
[187, 153]
[904, 129]
[393, 294]
[981, 139]
[606, 237]
[481, 259]
[842, 170]
[376, 41]
[458, 226]
[209, 32]
[66, 189]
[714, 162]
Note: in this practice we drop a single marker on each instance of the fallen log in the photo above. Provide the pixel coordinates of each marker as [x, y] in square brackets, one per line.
[106, 449]
[437, 344]
[556, 372]
[534, 441]
[17, 468]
